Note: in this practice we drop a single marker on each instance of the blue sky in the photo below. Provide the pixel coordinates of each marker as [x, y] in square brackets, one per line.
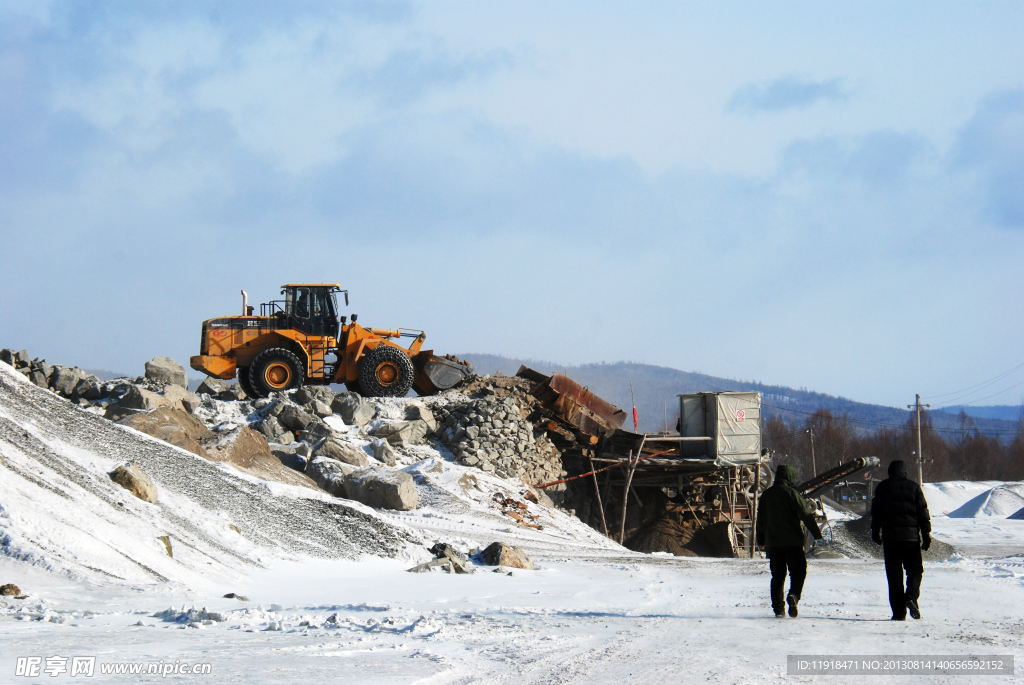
[818, 195]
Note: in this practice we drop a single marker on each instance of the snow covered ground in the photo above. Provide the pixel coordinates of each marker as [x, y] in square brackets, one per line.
[329, 598]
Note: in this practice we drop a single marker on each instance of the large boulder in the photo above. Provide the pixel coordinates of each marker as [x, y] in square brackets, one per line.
[65, 380]
[343, 452]
[166, 370]
[21, 359]
[330, 474]
[311, 393]
[7, 356]
[320, 409]
[271, 427]
[175, 426]
[382, 487]
[403, 433]
[383, 452]
[500, 554]
[419, 412]
[214, 387]
[180, 398]
[89, 388]
[131, 478]
[240, 446]
[140, 398]
[353, 409]
[294, 418]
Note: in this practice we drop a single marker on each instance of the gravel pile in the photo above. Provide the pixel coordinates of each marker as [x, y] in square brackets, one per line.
[491, 425]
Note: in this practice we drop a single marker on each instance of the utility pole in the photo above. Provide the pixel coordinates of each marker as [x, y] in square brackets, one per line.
[920, 455]
[814, 466]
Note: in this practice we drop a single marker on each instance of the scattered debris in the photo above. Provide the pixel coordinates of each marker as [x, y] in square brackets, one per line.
[517, 510]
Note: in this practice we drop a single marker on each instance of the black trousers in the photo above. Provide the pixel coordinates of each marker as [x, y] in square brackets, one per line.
[779, 560]
[900, 555]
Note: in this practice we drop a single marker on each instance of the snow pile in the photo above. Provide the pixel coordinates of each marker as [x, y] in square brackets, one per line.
[1003, 501]
[946, 497]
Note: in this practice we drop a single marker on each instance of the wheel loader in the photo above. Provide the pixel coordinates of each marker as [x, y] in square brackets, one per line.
[291, 342]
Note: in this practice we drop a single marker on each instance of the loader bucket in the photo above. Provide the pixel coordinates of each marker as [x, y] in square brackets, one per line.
[434, 374]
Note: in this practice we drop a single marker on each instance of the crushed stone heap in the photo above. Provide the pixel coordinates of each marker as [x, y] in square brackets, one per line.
[491, 424]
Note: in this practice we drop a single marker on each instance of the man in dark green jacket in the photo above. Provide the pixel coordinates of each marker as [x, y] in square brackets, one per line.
[779, 513]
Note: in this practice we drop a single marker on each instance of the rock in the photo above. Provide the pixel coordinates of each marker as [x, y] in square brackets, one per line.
[179, 398]
[38, 378]
[320, 409]
[166, 370]
[7, 356]
[139, 398]
[500, 554]
[382, 487]
[214, 387]
[174, 426]
[419, 412]
[403, 433]
[382, 451]
[311, 393]
[131, 478]
[289, 456]
[271, 427]
[9, 589]
[66, 379]
[459, 562]
[89, 388]
[242, 447]
[21, 359]
[353, 409]
[240, 598]
[304, 450]
[294, 418]
[343, 452]
[234, 392]
[330, 474]
[286, 438]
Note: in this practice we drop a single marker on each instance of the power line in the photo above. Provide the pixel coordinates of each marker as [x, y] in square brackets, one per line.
[979, 385]
[890, 425]
[985, 398]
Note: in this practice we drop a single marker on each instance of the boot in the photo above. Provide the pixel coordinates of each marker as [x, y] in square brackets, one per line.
[915, 611]
[791, 601]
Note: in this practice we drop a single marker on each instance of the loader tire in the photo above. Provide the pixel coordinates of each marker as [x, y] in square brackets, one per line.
[243, 381]
[353, 386]
[275, 370]
[385, 371]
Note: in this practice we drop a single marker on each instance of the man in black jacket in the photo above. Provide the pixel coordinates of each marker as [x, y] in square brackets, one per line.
[901, 524]
[780, 512]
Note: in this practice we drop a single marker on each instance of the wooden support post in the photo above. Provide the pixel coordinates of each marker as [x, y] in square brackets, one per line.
[597, 494]
[625, 497]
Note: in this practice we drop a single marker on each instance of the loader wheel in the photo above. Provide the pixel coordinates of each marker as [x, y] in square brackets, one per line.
[353, 386]
[243, 381]
[385, 371]
[275, 370]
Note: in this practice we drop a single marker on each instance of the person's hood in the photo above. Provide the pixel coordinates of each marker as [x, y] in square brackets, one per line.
[786, 474]
[897, 469]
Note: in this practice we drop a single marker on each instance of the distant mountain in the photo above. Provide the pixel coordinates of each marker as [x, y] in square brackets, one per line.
[656, 388]
[1006, 412]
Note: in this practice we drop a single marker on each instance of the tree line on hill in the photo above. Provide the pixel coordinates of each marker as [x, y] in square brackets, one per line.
[822, 440]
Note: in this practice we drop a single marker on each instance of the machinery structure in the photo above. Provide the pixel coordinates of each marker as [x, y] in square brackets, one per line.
[291, 342]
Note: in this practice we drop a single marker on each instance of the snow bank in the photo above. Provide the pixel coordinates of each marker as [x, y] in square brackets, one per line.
[1002, 501]
[946, 497]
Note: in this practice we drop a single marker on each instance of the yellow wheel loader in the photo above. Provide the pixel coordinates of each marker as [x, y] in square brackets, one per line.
[291, 342]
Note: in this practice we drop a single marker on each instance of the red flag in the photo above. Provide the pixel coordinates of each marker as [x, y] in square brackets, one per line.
[635, 430]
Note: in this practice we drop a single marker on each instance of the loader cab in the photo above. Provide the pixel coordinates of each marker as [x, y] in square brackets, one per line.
[313, 308]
